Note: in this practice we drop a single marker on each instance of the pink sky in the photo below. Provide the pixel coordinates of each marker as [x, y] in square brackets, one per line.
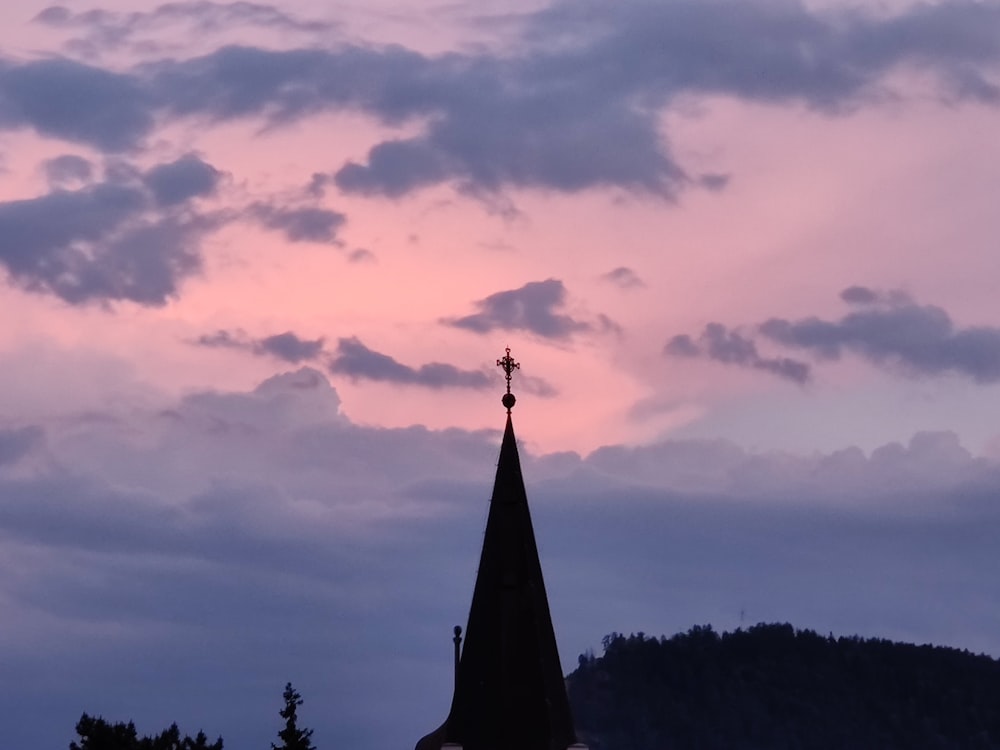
[623, 194]
[890, 192]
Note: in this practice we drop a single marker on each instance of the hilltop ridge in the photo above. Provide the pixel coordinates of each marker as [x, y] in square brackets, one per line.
[772, 687]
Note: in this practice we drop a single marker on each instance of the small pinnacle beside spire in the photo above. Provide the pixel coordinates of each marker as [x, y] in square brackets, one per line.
[509, 365]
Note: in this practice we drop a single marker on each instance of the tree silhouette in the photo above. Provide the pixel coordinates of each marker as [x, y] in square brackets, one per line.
[292, 738]
[95, 733]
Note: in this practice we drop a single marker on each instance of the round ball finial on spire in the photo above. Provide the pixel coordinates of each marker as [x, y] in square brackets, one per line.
[509, 365]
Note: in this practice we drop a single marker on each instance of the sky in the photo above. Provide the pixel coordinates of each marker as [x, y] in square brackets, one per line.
[258, 263]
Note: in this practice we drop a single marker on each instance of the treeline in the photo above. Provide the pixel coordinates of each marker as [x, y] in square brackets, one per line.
[776, 688]
[95, 733]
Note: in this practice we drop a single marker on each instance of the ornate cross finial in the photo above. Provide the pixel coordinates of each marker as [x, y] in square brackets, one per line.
[509, 365]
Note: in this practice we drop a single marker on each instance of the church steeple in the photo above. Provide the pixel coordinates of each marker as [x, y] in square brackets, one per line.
[509, 689]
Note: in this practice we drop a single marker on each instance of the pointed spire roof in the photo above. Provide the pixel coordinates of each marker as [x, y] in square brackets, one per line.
[509, 692]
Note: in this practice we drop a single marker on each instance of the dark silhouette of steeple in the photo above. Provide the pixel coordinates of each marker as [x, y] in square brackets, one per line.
[509, 689]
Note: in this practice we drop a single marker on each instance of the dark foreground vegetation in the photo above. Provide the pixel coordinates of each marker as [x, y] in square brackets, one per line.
[767, 688]
[94, 733]
[774, 688]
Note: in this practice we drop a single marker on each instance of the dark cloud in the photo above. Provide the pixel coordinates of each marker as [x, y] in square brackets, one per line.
[180, 181]
[289, 347]
[106, 30]
[282, 86]
[223, 339]
[623, 277]
[532, 307]
[361, 255]
[286, 346]
[720, 344]
[714, 182]
[209, 16]
[578, 78]
[888, 329]
[894, 332]
[505, 127]
[859, 295]
[145, 263]
[75, 102]
[317, 184]
[307, 224]
[394, 168]
[862, 295]
[109, 240]
[767, 51]
[523, 121]
[682, 345]
[357, 361]
[67, 169]
[39, 239]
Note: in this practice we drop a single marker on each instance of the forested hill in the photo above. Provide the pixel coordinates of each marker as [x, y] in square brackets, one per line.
[774, 688]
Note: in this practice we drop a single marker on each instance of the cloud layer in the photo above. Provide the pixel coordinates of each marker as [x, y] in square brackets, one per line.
[159, 553]
[286, 346]
[299, 224]
[358, 362]
[132, 236]
[482, 121]
[896, 333]
[520, 119]
[889, 330]
[532, 308]
[720, 344]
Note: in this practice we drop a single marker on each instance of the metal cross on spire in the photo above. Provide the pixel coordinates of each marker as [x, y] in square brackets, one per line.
[509, 365]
